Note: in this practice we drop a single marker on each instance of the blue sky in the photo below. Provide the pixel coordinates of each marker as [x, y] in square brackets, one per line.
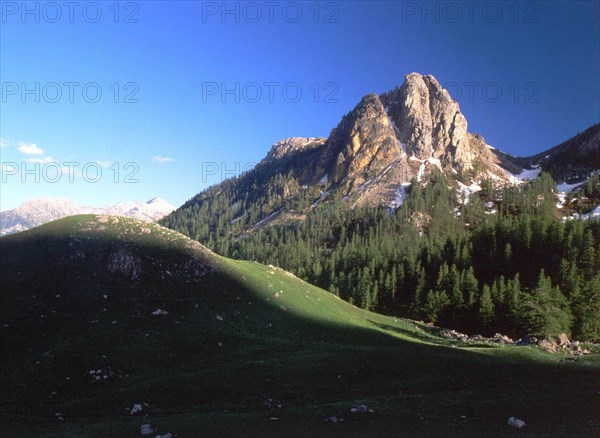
[170, 121]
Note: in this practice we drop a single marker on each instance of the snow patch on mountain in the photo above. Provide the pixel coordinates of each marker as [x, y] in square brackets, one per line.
[566, 187]
[594, 214]
[435, 162]
[563, 190]
[465, 191]
[526, 175]
[401, 194]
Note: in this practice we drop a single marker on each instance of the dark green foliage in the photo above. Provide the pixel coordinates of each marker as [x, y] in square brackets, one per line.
[463, 267]
[486, 307]
[435, 303]
[545, 310]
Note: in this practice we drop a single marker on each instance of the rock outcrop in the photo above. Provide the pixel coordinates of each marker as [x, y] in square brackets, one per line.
[392, 134]
[362, 145]
[289, 146]
[430, 123]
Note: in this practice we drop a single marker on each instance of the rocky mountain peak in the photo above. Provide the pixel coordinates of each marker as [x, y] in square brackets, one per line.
[396, 132]
[430, 123]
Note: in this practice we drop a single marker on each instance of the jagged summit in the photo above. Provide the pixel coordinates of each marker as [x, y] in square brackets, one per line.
[430, 123]
[405, 133]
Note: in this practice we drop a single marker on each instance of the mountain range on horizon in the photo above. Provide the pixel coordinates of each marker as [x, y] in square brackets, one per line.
[370, 158]
[39, 211]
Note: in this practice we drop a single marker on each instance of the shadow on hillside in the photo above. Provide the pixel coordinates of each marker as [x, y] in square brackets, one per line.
[429, 334]
[423, 334]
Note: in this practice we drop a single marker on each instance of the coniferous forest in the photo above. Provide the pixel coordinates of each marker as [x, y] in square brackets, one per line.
[500, 261]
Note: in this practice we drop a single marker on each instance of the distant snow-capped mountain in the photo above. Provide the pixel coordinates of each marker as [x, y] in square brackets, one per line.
[37, 212]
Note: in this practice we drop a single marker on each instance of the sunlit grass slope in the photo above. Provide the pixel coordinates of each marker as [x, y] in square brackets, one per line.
[98, 314]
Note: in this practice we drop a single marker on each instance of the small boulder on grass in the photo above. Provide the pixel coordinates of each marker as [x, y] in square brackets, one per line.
[515, 422]
[564, 341]
[361, 409]
[146, 430]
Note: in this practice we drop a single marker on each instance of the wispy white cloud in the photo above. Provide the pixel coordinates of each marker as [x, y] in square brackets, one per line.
[29, 149]
[104, 164]
[3, 143]
[161, 160]
[42, 160]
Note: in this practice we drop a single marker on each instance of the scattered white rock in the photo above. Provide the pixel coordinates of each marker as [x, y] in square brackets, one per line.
[361, 409]
[146, 429]
[502, 339]
[136, 408]
[515, 422]
[158, 312]
[564, 341]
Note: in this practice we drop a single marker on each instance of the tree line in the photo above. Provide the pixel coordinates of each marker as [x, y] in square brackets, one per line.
[501, 261]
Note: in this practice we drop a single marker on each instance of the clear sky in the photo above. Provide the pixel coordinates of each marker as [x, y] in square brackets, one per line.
[166, 98]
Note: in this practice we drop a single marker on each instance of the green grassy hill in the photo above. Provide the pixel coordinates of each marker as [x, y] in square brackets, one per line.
[98, 314]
